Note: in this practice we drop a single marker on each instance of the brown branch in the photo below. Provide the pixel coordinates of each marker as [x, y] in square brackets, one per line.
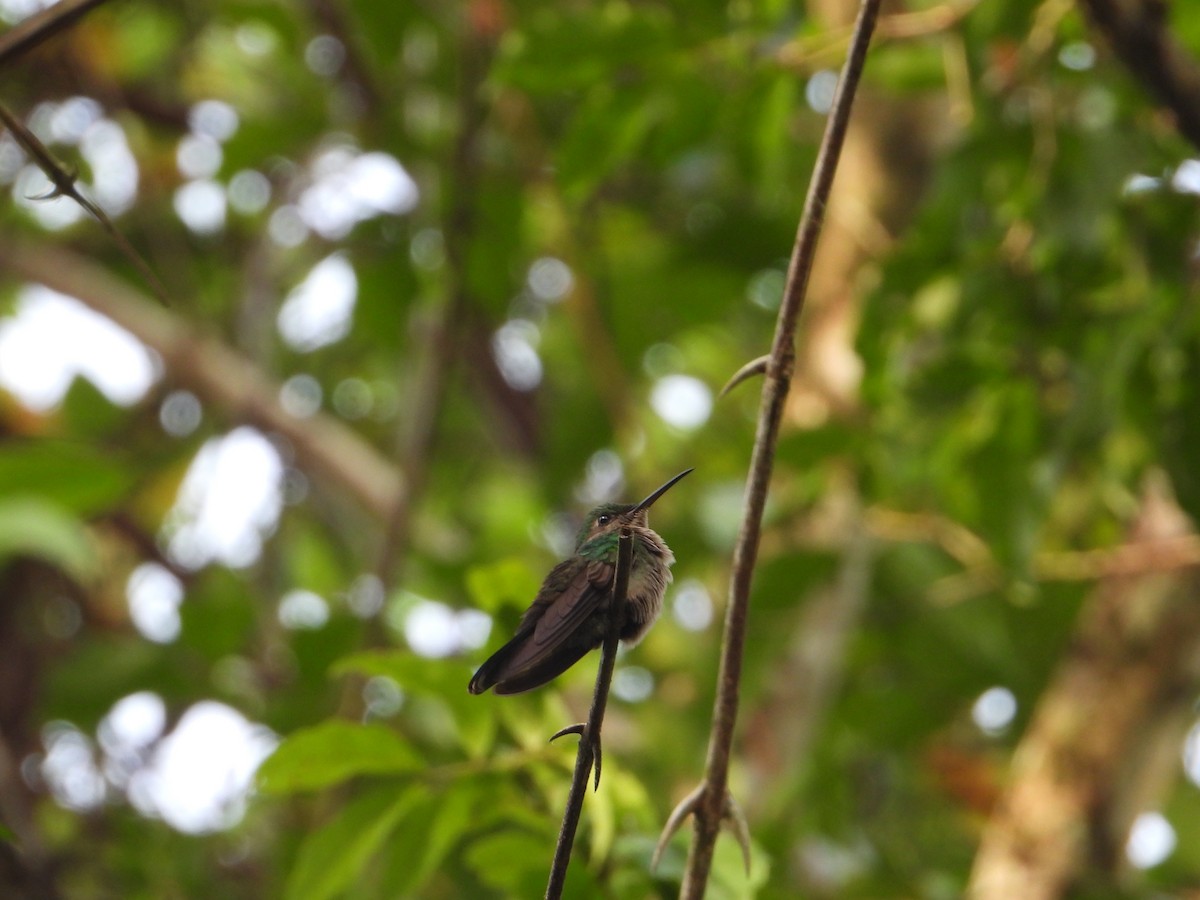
[442, 341]
[216, 374]
[30, 32]
[589, 734]
[1137, 32]
[712, 806]
[1090, 746]
[64, 185]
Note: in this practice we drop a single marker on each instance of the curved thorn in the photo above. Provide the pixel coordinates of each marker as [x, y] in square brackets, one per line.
[53, 194]
[685, 808]
[570, 729]
[749, 370]
[735, 820]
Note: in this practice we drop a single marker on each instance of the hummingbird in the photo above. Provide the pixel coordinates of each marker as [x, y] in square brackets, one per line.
[569, 616]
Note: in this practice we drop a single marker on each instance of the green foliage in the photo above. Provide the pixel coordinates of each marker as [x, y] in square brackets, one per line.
[1010, 263]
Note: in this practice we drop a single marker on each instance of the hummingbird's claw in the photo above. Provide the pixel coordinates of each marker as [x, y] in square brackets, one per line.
[578, 729]
[732, 818]
[749, 370]
[581, 730]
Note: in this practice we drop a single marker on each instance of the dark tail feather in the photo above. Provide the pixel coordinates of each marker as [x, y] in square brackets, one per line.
[498, 671]
[492, 671]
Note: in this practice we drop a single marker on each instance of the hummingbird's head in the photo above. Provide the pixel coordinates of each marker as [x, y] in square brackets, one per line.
[610, 517]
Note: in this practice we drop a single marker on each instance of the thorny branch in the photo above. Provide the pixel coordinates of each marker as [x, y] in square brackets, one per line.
[714, 803]
[589, 735]
[64, 185]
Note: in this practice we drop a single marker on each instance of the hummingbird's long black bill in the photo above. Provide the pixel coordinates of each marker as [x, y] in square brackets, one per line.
[649, 501]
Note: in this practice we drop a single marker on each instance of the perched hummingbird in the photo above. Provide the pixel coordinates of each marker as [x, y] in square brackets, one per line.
[569, 616]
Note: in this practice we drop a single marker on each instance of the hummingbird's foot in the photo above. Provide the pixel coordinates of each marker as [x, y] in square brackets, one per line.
[732, 818]
[581, 730]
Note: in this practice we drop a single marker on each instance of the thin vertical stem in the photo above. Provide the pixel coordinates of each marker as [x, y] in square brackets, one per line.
[712, 802]
[589, 740]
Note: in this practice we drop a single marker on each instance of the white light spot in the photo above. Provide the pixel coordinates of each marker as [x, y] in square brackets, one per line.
[200, 205]
[180, 413]
[514, 346]
[431, 629]
[114, 169]
[131, 726]
[605, 477]
[249, 192]
[12, 157]
[765, 289]
[303, 609]
[230, 498]
[154, 595]
[1077, 55]
[255, 38]
[135, 721]
[32, 192]
[70, 120]
[550, 279]
[1140, 184]
[473, 628]
[820, 90]
[365, 597]
[198, 156]
[382, 696]
[202, 772]
[15, 10]
[1151, 840]
[1186, 179]
[632, 684]
[286, 227]
[318, 311]
[300, 396]
[324, 55]
[349, 188]
[994, 710]
[691, 605]
[214, 119]
[1191, 754]
[70, 769]
[682, 401]
[53, 338]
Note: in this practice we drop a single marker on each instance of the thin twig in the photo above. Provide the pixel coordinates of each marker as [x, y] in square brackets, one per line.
[64, 185]
[589, 740]
[442, 341]
[710, 810]
[30, 32]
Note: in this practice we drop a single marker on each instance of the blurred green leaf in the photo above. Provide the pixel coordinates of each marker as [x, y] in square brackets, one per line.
[32, 526]
[331, 858]
[76, 476]
[332, 752]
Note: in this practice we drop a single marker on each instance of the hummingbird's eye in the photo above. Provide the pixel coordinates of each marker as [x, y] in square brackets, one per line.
[604, 519]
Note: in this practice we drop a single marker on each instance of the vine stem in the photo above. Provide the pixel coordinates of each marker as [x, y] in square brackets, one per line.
[589, 738]
[711, 805]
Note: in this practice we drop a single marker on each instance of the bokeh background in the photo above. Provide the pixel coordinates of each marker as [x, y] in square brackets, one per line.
[441, 276]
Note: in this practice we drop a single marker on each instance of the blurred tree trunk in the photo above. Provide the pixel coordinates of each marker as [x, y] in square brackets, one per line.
[1103, 742]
